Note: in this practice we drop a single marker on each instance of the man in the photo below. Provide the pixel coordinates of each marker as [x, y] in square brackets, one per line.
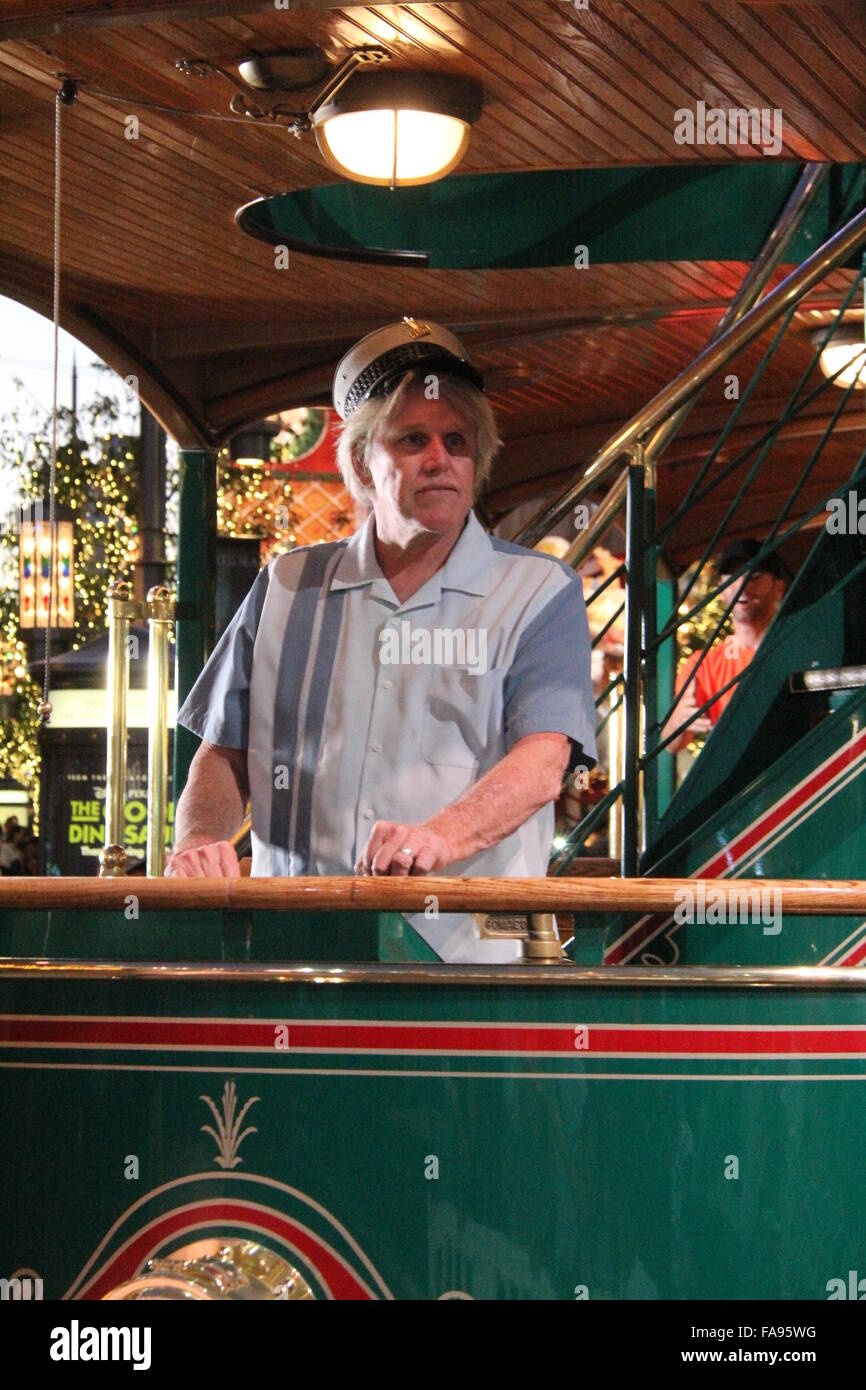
[409, 700]
[758, 595]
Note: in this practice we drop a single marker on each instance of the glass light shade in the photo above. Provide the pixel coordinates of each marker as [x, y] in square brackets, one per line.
[850, 357]
[393, 146]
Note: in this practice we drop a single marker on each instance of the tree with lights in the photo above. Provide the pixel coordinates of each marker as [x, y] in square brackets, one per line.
[96, 487]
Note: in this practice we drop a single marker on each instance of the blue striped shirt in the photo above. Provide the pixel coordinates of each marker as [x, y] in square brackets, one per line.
[355, 708]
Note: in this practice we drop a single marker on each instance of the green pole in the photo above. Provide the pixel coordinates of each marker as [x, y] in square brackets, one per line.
[666, 670]
[634, 611]
[196, 588]
[650, 664]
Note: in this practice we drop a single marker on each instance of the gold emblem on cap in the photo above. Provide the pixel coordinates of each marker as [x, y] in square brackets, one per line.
[416, 329]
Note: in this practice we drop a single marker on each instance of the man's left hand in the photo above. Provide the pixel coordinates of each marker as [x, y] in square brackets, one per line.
[403, 849]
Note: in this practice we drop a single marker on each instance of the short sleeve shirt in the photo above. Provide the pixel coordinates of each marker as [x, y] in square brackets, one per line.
[721, 663]
[355, 708]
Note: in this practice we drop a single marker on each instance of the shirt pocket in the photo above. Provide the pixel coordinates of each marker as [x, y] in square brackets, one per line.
[464, 723]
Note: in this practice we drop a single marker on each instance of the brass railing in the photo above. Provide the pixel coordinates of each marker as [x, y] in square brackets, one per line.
[123, 610]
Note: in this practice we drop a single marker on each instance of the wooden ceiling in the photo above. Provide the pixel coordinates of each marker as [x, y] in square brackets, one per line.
[158, 280]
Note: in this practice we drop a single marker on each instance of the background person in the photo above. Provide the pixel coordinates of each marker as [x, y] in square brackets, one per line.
[352, 764]
[756, 606]
[10, 854]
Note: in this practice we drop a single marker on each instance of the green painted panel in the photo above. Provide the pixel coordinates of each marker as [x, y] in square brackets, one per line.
[472, 221]
[605, 1167]
[200, 936]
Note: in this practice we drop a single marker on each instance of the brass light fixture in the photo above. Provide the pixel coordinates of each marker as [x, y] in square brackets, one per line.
[396, 129]
[381, 127]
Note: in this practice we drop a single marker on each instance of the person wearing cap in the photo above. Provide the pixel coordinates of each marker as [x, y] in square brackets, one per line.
[755, 597]
[408, 700]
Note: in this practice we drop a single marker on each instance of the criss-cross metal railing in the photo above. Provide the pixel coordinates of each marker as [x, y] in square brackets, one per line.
[644, 708]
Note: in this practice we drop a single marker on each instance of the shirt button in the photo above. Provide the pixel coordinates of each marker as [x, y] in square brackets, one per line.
[369, 813]
[376, 747]
[386, 685]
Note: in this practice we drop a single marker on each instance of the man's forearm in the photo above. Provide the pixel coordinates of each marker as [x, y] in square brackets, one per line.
[526, 779]
[214, 799]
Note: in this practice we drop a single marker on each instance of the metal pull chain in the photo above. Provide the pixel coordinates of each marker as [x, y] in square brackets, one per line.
[64, 97]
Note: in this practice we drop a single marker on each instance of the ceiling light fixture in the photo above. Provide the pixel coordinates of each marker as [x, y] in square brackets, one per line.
[389, 128]
[397, 129]
[843, 353]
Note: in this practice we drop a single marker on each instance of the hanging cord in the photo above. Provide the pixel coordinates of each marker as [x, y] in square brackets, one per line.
[64, 97]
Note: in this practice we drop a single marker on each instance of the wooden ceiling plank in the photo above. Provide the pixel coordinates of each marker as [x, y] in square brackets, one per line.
[295, 163]
[29, 22]
[120, 229]
[750, 56]
[514, 124]
[606, 29]
[711, 63]
[562, 48]
[207, 236]
[635, 28]
[587, 117]
[806, 40]
[165, 131]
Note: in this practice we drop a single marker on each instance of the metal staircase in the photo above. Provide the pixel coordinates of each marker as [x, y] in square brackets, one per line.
[769, 732]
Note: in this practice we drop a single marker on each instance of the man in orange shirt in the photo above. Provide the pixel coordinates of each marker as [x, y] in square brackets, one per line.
[751, 615]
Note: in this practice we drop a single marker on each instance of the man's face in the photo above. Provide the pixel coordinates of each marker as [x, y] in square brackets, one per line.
[759, 598]
[422, 464]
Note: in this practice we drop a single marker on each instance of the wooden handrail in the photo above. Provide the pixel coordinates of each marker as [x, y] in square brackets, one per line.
[797, 897]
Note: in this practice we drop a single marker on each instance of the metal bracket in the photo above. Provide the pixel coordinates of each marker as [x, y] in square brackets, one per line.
[298, 122]
[536, 929]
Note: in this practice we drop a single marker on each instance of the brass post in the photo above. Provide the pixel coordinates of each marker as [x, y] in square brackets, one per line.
[542, 945]
[112, 861]
[160, 616]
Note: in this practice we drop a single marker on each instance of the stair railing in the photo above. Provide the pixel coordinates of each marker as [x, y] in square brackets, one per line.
[640, 441]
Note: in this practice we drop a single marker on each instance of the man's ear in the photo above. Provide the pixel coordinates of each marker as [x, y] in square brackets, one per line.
[360, 467]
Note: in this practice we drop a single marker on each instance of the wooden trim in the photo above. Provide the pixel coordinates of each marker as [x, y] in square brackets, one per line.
[799, 897]
[176, 414]
[125, 14]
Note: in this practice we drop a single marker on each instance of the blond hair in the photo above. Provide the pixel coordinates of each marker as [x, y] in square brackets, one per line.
[356, 436]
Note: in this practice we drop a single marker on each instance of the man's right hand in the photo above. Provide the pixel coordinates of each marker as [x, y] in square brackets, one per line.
[684, 710]
[206, 860]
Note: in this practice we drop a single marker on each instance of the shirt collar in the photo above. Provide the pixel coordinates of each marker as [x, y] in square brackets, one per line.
[467, 569]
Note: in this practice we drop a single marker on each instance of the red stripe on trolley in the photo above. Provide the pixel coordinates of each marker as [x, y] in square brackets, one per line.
[126, 1264]
[231, 1036]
